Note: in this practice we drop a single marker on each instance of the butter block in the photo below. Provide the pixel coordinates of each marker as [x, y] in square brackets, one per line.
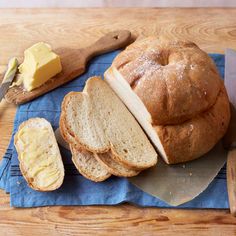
[40, 64]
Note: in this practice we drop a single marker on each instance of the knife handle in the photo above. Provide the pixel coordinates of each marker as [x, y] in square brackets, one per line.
[231, 180]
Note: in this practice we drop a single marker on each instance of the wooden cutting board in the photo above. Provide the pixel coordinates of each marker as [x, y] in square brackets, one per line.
[73, 64]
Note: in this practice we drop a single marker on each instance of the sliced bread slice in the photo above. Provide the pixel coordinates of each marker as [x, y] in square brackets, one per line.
[104, 159]
[88, 166]
[84, 161]
[100, 122]
[39, 155]
[113, 166]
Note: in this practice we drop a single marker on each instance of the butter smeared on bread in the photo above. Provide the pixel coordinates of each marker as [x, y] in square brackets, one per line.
[39, 155]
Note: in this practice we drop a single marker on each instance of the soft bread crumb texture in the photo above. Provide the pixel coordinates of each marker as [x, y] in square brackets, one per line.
[105, 159]
[88, 166]
[100, 122]
[84, 161]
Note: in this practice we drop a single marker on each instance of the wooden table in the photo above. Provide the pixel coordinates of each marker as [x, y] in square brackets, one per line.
[212, 29]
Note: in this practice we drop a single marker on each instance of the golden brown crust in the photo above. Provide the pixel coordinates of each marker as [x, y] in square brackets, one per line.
[176, 80]
[195, 137]
[179, 85]
[66, 135]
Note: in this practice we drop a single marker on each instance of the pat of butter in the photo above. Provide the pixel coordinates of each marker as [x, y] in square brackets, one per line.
[40, 64]
[40, 162]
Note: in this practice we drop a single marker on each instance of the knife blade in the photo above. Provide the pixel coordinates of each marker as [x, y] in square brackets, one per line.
[229, 140]
[8, 77]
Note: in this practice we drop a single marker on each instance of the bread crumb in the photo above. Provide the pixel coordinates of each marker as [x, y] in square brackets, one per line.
[192, 67]
[183, 166]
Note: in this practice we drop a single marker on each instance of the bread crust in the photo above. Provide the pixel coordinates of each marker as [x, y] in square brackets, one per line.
[196, 136]
[188, 111]
[176, 80]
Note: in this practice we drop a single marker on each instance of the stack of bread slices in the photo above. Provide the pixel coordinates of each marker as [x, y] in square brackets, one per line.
[104, 137]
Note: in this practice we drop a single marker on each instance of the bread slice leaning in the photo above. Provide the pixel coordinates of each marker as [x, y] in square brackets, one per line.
[105, 159]
[84, 161]
[100, 122]
[39, 156]
[113, 166]
[88, 166]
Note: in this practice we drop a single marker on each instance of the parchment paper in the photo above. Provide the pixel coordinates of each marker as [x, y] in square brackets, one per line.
[177, 184]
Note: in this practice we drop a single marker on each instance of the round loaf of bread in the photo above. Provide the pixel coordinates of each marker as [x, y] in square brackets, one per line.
[175, 80]
[181, 89]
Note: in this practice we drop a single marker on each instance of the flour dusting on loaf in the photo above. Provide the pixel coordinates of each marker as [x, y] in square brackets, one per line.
[174, 90]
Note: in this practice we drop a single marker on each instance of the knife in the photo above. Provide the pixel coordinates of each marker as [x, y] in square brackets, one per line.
[229, 140]
[8, 77]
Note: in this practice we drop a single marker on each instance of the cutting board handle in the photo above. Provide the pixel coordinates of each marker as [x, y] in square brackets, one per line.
[108, 42]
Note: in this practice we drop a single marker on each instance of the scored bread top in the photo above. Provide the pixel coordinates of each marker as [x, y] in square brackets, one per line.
[175, 80]
[39, 155]
[100, 122]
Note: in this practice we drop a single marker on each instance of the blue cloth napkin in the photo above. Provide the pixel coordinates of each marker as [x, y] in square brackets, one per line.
[76, 190]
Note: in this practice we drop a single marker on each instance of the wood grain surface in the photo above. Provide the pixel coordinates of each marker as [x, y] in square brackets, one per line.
[212, 29]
